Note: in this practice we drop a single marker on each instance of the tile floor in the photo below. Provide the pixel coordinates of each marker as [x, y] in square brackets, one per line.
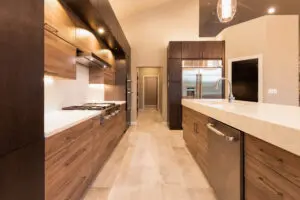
[150, 163]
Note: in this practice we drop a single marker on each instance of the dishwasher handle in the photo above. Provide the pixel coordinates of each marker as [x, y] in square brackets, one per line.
[211, 127]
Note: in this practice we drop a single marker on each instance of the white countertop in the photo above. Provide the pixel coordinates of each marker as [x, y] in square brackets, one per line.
[58, 121]
[275, 124]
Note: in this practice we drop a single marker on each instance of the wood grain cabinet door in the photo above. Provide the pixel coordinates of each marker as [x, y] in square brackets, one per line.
[174, 50]
[58, 19]
[271, 173]
[212, 49]
[59, 57]
[174, 70]
[190, 50]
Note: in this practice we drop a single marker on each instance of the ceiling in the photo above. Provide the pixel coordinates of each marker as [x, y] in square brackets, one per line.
[127, 8]
[247, 10]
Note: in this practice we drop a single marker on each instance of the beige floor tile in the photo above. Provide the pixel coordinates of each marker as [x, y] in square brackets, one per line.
[150, 163]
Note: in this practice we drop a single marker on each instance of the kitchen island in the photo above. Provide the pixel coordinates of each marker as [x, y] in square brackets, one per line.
[270, 141]
[77, 145]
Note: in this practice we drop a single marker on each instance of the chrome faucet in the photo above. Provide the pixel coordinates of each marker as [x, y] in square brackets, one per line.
[231, 97]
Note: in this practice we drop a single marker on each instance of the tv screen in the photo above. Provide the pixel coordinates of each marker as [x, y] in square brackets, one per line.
[245, 80]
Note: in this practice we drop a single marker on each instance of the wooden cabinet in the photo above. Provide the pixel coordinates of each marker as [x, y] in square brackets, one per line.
[174, 49]
[212, 50]
[99, 75]
[195, 136]
[174, 70]
[271, 173]
[109, 76]
[174, 105]
[191, 50]
[74, 156]
[58, 20]
[59, 57]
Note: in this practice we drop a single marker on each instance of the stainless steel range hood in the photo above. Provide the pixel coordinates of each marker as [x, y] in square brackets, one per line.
[90, 59]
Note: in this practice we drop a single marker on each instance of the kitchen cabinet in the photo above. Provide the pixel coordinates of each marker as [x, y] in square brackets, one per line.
[99, 75]
[58, 20]
[60, 57]
[74, 156]
[191, 50]
[174, 70]
[212, 50]
[195, 136]
[174, 107]
[174, 50]
[270, 172]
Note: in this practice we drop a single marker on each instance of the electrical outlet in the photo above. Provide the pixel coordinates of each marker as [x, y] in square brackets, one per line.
[273, 91]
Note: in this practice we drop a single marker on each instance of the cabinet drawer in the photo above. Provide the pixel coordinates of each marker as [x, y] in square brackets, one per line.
[279, 160]
[264, 183]
[59, 57]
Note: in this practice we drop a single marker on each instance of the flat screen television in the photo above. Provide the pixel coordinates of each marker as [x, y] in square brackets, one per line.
[245, 80]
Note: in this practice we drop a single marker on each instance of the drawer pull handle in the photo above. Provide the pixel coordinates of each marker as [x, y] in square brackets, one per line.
[219, 133]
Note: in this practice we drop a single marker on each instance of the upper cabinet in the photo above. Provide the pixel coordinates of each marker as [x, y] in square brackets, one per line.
[59, 57]
[58, 20]
[197, 50]
[174, 50]
[191, 50]
[212, 49]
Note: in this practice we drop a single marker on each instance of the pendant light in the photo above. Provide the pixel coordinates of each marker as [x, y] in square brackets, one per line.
[226, 10]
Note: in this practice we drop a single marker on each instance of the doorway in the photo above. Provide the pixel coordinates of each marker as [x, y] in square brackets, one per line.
[151, 95]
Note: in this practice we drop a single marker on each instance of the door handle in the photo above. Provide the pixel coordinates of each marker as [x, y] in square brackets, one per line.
[211, 127]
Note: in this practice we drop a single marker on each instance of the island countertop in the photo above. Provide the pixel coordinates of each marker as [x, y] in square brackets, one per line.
[276, 124]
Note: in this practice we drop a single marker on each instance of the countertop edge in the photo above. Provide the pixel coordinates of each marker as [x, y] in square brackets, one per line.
[70, 125]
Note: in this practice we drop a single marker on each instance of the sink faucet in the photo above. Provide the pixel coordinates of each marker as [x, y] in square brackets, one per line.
[231, 97]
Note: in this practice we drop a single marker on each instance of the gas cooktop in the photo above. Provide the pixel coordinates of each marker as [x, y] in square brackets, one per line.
[91, 106]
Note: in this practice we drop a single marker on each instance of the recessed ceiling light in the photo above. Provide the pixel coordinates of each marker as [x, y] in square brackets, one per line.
[271, 10]
[101, 30]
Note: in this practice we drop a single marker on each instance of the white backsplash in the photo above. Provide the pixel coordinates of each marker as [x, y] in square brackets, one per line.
[63, 93]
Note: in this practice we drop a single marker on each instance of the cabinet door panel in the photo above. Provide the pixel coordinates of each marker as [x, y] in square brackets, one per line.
[59, 57]
[190, 50]
[59, 18]
[174, 70]
[264, 183]
[174, 50]
[212, 50]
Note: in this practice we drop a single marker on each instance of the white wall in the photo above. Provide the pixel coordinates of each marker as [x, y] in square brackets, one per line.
[63, 93]
[149, 33]
[276, 39]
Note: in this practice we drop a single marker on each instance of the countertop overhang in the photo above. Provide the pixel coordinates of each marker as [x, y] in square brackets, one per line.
[276, 124]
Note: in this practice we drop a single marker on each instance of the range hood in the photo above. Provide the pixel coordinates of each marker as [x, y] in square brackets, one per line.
[90, 59]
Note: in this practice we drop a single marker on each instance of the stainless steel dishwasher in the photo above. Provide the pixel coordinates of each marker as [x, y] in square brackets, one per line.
[225, 161]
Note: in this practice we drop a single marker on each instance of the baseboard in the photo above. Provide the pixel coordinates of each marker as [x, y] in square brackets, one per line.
[133, 123]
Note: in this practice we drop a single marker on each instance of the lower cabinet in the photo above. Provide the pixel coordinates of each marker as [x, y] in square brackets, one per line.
[74, 156]
[195, 136]
[271, 173]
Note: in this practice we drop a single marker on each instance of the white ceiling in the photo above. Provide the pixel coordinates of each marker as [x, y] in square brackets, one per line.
[127, 8]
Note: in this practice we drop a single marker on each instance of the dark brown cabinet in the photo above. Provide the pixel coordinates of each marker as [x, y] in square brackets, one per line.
[174, 70]
[186, 50]
[191, 50]
[212, 50]
[174, 50]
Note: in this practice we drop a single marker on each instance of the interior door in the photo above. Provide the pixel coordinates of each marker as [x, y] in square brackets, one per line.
[151, 92]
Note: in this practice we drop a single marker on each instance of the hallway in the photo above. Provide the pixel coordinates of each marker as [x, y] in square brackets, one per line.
[150, 163]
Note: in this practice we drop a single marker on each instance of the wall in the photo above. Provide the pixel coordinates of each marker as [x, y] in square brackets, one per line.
[149, 71]
[276, 38]
[63, 93]
[149, 33]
